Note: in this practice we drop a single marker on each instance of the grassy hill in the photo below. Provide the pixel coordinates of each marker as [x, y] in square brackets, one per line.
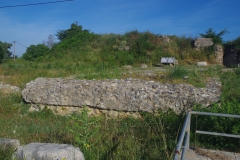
[86, 55]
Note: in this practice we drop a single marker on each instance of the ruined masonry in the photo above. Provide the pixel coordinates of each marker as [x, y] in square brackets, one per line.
[116, 97]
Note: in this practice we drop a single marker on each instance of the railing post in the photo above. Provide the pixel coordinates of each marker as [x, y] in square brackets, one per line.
[177, 153]
[185, 145]
[187, 138]
[188, 130]
[185, 132]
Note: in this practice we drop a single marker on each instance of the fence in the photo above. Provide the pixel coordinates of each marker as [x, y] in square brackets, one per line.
[185, 133]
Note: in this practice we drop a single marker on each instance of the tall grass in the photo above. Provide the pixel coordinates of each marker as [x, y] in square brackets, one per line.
[99, 57]
[229, 105]
[177, 72]
[98, 137]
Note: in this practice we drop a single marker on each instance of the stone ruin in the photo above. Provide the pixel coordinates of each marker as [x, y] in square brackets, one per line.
[218, 52]
[165, 39]
[6, 88]
[116, 97]
[40, 151]
[202, 42]
[206, 42]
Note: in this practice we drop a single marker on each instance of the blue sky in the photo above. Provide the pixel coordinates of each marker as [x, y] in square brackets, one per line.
[32, 24]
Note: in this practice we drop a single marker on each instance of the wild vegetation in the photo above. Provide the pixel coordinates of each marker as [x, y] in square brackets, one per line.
[85, 55]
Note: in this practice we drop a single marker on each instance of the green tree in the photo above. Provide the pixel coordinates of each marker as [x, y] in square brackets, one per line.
[216, 37]
[233, 45]
[5, 47]
[1, 55]
[35, 51]
[75, 29]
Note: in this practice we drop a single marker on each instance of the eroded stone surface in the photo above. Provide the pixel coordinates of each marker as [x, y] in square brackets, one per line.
[202, 42]
[218, 52]
[6, 88]
[45, 151]
[9, 144]
[130, 95]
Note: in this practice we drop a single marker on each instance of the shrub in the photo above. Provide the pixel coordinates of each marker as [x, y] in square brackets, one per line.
[1, 54]
[125, 58]
[35, 51]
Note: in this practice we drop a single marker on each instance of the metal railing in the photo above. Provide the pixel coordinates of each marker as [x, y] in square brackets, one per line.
[185, 133]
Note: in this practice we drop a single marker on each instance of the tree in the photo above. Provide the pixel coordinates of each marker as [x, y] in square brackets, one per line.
[50, 42]
[5, 47]
[1, 55]
[75, 29]
[233, 45]
[35, 51]
[216, 37]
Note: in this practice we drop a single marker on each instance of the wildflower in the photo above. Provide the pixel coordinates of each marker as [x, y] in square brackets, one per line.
[86, 145]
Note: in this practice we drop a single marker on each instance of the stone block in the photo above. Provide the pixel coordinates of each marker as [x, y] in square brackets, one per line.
[118, 95]
[202, 63]
[45, 151]
[9, 144]
[202, 42]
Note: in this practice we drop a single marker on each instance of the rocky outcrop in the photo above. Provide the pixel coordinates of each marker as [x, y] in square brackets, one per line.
[143, 66]
[117, 96]
[45, 151]
[7, 144]
[202, 42]
[218, 52]
[165, 39]
[40, 151]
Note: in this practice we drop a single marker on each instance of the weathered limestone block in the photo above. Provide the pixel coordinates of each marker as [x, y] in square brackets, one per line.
[127, 67]
[143, 66]
[218, 52]
[9, 144]
[201, 63]
[165, 39]
[130, 95]
[45, 151]
[6, 88]
[202, 42]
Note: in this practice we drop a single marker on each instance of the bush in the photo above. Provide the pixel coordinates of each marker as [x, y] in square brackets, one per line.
[1, 54]
[125, 58]
[35, 51]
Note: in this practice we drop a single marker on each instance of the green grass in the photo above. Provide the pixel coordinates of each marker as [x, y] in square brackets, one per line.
[98, 137]
[177, 72]
[103, 138]
[151, 137]
[230, 104]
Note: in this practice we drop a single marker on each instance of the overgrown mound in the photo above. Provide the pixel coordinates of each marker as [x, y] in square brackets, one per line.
[131, 48]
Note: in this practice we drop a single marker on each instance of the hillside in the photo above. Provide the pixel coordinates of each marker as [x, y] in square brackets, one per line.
[82, 55]
[132, 48]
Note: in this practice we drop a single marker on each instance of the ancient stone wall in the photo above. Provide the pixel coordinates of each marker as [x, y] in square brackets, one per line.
[116, 96]
[218, 52]
[202, 42]
[6, 88]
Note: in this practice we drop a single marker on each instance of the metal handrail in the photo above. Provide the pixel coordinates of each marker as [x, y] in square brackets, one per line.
[185, 132]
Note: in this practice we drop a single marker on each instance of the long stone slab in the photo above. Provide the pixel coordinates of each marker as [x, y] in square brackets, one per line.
[47, 151]
[130, 95]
